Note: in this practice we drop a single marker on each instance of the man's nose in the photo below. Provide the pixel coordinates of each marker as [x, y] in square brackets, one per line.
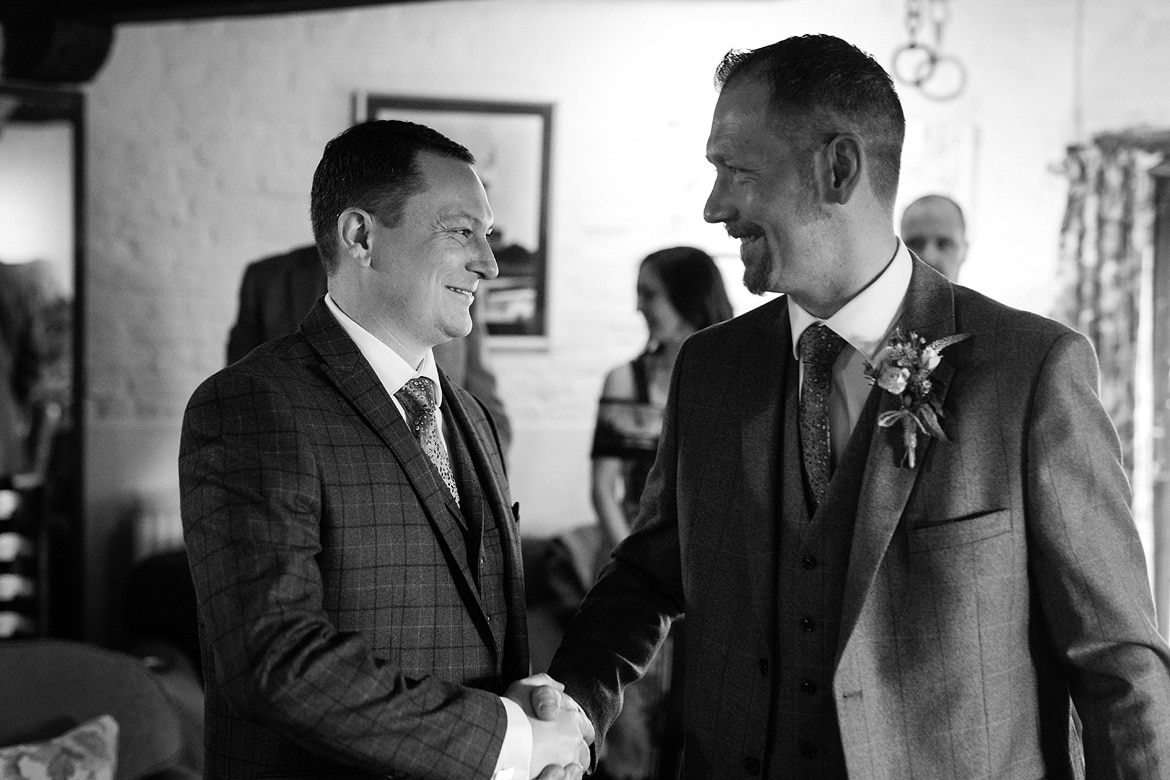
[484, 262]
[930, 251]
[717, 208]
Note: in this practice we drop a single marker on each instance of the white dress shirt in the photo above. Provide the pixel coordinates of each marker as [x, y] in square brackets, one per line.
[865, 323]
[394, 372]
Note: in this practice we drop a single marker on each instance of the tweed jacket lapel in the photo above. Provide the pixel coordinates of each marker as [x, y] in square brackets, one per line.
[929, 310]
[764, 367]
[343, 363]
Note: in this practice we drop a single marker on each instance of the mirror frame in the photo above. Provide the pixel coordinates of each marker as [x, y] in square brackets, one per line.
[63, 605]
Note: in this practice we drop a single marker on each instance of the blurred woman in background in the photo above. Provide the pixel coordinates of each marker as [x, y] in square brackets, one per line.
[680, 291]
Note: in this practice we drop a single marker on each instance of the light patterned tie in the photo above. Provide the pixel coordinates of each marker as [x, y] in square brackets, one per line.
[418, 399]
[819, 347]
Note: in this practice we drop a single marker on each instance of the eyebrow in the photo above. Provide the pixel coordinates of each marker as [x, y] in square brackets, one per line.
[459, 214]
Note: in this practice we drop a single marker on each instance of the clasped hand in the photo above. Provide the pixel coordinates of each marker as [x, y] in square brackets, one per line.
[561, 733]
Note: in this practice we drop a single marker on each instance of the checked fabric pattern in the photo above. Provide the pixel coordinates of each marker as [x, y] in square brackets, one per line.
[418, 399]
[819, 348]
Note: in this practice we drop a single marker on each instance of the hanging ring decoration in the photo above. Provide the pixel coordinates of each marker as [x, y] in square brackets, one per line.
[939, 76]
[914, 63]
[946, 79]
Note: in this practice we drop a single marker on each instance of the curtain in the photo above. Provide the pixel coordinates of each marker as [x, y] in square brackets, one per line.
[1105, 275]
[1106, 261]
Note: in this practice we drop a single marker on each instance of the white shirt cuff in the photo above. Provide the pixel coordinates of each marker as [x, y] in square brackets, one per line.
[516, 752]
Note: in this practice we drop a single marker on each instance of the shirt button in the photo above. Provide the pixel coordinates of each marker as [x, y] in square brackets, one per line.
[764, 666]
[808, 562]
[808, 625]
[808, 687]
[751, 765]
[808, 750]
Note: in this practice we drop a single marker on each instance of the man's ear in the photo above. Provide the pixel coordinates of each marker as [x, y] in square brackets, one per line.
[843, 156]
[355, 234]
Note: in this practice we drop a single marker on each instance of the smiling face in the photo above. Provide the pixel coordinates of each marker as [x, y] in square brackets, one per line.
[765, 193]
[423, 273]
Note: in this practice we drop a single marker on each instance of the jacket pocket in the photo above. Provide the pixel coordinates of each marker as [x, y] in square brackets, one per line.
[954, 533]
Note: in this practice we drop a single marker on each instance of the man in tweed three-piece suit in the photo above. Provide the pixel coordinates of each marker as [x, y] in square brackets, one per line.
[353, 545]
[861, 602]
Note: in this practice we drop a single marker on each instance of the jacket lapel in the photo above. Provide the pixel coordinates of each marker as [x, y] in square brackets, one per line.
[343, 363]
[764, 368]
[929, 310]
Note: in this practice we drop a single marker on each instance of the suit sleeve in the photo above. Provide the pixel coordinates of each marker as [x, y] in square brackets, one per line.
[1089, 569]
[251, 504]
[627, 614]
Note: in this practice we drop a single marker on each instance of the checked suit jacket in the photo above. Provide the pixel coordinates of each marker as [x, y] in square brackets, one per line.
[342, 628]
[986, 589]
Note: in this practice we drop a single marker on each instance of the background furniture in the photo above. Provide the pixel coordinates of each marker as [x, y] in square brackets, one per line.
[50, 686]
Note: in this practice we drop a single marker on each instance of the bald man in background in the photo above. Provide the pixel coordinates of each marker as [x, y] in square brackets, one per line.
[934, 229]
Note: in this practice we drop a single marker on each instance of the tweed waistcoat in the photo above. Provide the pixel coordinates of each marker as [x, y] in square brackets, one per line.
[813, 558]
[482, 531]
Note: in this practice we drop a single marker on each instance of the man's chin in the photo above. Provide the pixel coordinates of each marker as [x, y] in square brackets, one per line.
[755, 286]
[756, 272]
[457, 330]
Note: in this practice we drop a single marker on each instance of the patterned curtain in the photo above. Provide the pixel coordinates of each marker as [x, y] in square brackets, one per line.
[1106, 256]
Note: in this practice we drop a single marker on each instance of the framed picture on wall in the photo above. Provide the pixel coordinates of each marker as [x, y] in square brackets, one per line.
[512, 145]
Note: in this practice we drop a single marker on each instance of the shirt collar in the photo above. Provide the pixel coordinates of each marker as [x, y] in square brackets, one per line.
[866, 320]
[388, 365]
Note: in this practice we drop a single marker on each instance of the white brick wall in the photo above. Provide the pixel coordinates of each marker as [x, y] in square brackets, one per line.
[203, 137]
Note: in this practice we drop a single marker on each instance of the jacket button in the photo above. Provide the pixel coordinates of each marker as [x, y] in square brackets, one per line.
[751, 765]
[808, 750]
[808, 687]
[808, 562]
[764, 666]
[807, 624]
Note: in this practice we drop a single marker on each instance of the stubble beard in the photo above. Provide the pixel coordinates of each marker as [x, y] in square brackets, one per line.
[757, 269]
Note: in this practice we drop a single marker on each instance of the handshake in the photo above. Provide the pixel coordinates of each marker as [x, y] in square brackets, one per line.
[561, 733]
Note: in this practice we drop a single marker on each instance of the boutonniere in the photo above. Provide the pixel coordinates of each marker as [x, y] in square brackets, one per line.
[904, 370]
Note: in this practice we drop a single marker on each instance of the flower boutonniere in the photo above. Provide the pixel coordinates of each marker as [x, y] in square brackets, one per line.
[904, 370]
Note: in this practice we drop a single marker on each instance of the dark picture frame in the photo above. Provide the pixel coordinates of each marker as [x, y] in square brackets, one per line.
[512, 144]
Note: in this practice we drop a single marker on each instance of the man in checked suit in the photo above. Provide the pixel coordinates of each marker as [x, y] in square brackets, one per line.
[860, 604]
[355, 555]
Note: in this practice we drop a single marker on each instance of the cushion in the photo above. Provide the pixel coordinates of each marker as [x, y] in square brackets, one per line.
[87, 752]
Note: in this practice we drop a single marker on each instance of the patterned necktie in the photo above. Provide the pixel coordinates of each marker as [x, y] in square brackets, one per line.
[819, 347]
[418, 399]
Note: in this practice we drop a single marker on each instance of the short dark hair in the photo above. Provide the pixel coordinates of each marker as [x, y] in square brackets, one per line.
[821, 86]
[693, 284]
[372, 166]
